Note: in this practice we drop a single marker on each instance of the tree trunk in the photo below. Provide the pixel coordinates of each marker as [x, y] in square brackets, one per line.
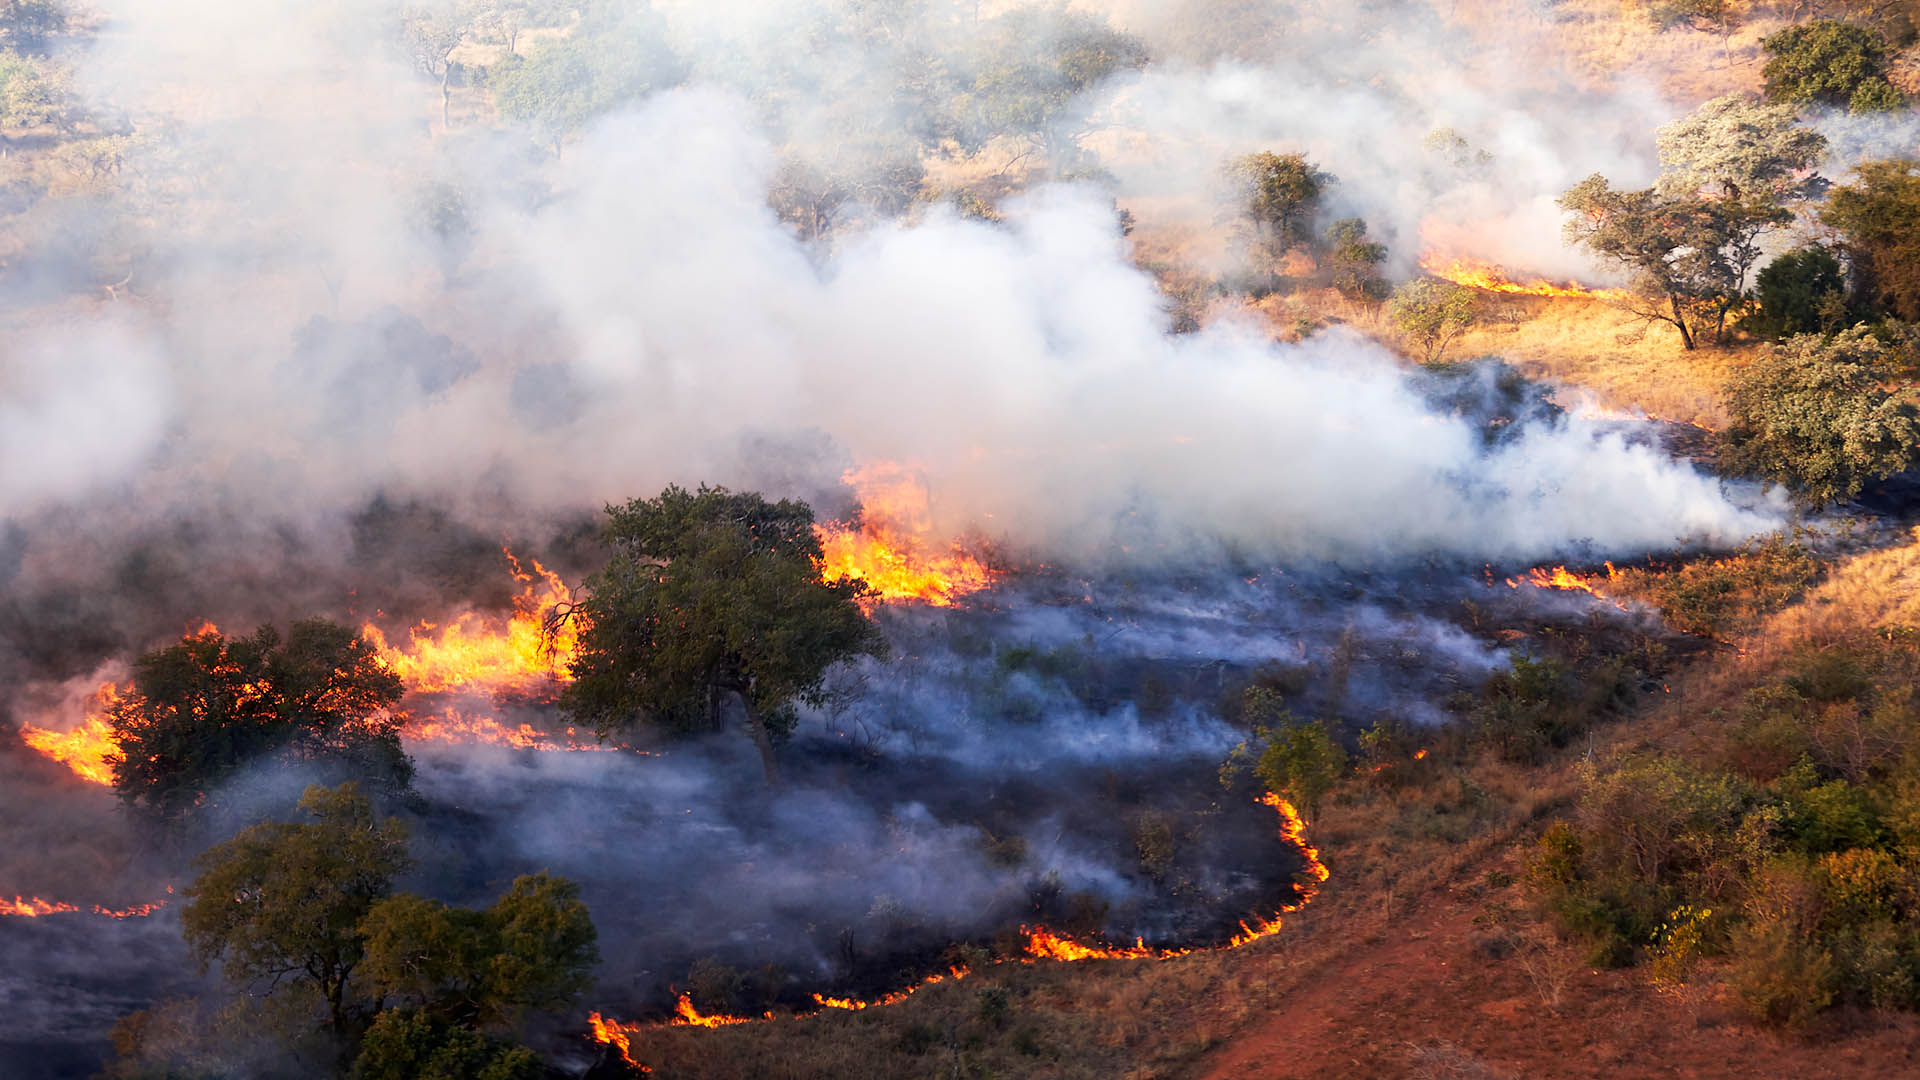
[1680, 321]
[763, 742]
[446, 95]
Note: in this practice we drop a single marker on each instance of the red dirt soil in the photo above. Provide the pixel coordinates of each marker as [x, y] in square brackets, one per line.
[1428, 999]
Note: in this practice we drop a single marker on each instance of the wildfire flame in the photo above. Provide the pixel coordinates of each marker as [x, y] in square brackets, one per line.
[475, 653]
[453, 726]
[893, 551]
[89, 749]
[685, 1014]
[855, 1004]
[1044, 944]
[34, 907]
[617, 1035]
[1476, 274]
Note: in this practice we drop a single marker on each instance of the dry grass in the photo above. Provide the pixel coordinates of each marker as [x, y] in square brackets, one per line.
[1614, 354]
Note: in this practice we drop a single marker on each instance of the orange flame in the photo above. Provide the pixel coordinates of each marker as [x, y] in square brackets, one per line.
[892, 551]
[474, 652]
[617, 1035]
[89, 749]
[453, 726]
[1476, 274]
[685, 1014]
[1565, 580]
[855, 1004]
[34, 907]
[1044, 944]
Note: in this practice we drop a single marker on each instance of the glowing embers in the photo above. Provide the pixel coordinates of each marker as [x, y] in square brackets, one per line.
[893, 550]
[34, 907]
[89, 749]
[455, 727]
[479, 653]
[1477, 274]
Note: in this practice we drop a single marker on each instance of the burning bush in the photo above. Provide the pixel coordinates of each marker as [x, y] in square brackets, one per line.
[203, 709]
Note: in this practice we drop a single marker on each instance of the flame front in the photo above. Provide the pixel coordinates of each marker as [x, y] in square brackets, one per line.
[34, 907]
[893, 550]
[1044, 944]
[617, 1035]
[475, 653]
[855, 1004]
[1477, 274]
[90, 749]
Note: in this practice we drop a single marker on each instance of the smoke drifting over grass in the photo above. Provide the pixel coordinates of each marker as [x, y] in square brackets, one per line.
[250, 379]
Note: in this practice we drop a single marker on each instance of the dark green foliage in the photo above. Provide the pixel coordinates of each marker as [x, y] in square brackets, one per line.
[205, 708]
[1828, 62]
[1526, 710]
[29, 25]
[1815, 416]
[285, 901]
[711, 595]
[1879, 213]
[532, 951]
[1353, 261]
[1298, 760]
[1801, 292]
[408, 1045]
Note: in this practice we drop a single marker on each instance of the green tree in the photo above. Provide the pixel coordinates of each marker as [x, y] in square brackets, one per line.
[1828, 62]
[1298, 759]
[1431, 313]
[567, 82]
[33, 94]
[532, 951]
[1879, 213]
[1801, 292]
[204, 708]
[1689, 257]
[408, 1045]
[712, 596]
[1735, 148]
[285, 901]
[1815, 415]
[1279, 197]
[1353, 261]
[1032, 78]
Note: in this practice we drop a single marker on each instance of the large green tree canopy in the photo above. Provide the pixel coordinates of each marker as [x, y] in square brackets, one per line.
[284, 901]
[711, 596]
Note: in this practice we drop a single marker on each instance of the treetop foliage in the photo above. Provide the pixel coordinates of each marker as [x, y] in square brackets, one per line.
[1431, 313]
[1734, 147]
[1879, 213]
[285, 901]
[1829, 62]
[1280, 196]
[205, 707]
[710, 595]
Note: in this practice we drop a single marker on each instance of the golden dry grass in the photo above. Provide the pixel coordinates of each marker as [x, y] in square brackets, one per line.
[1626, 363]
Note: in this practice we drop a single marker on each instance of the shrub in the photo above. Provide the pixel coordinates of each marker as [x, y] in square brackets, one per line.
[1801, 292]
[1431, 313]
[1815, 416]
[1779, 975]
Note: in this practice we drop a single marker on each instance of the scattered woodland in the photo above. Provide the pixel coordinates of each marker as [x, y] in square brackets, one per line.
[1706, 834]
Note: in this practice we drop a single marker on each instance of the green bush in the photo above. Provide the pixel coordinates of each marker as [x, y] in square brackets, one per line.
[1801, 292]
